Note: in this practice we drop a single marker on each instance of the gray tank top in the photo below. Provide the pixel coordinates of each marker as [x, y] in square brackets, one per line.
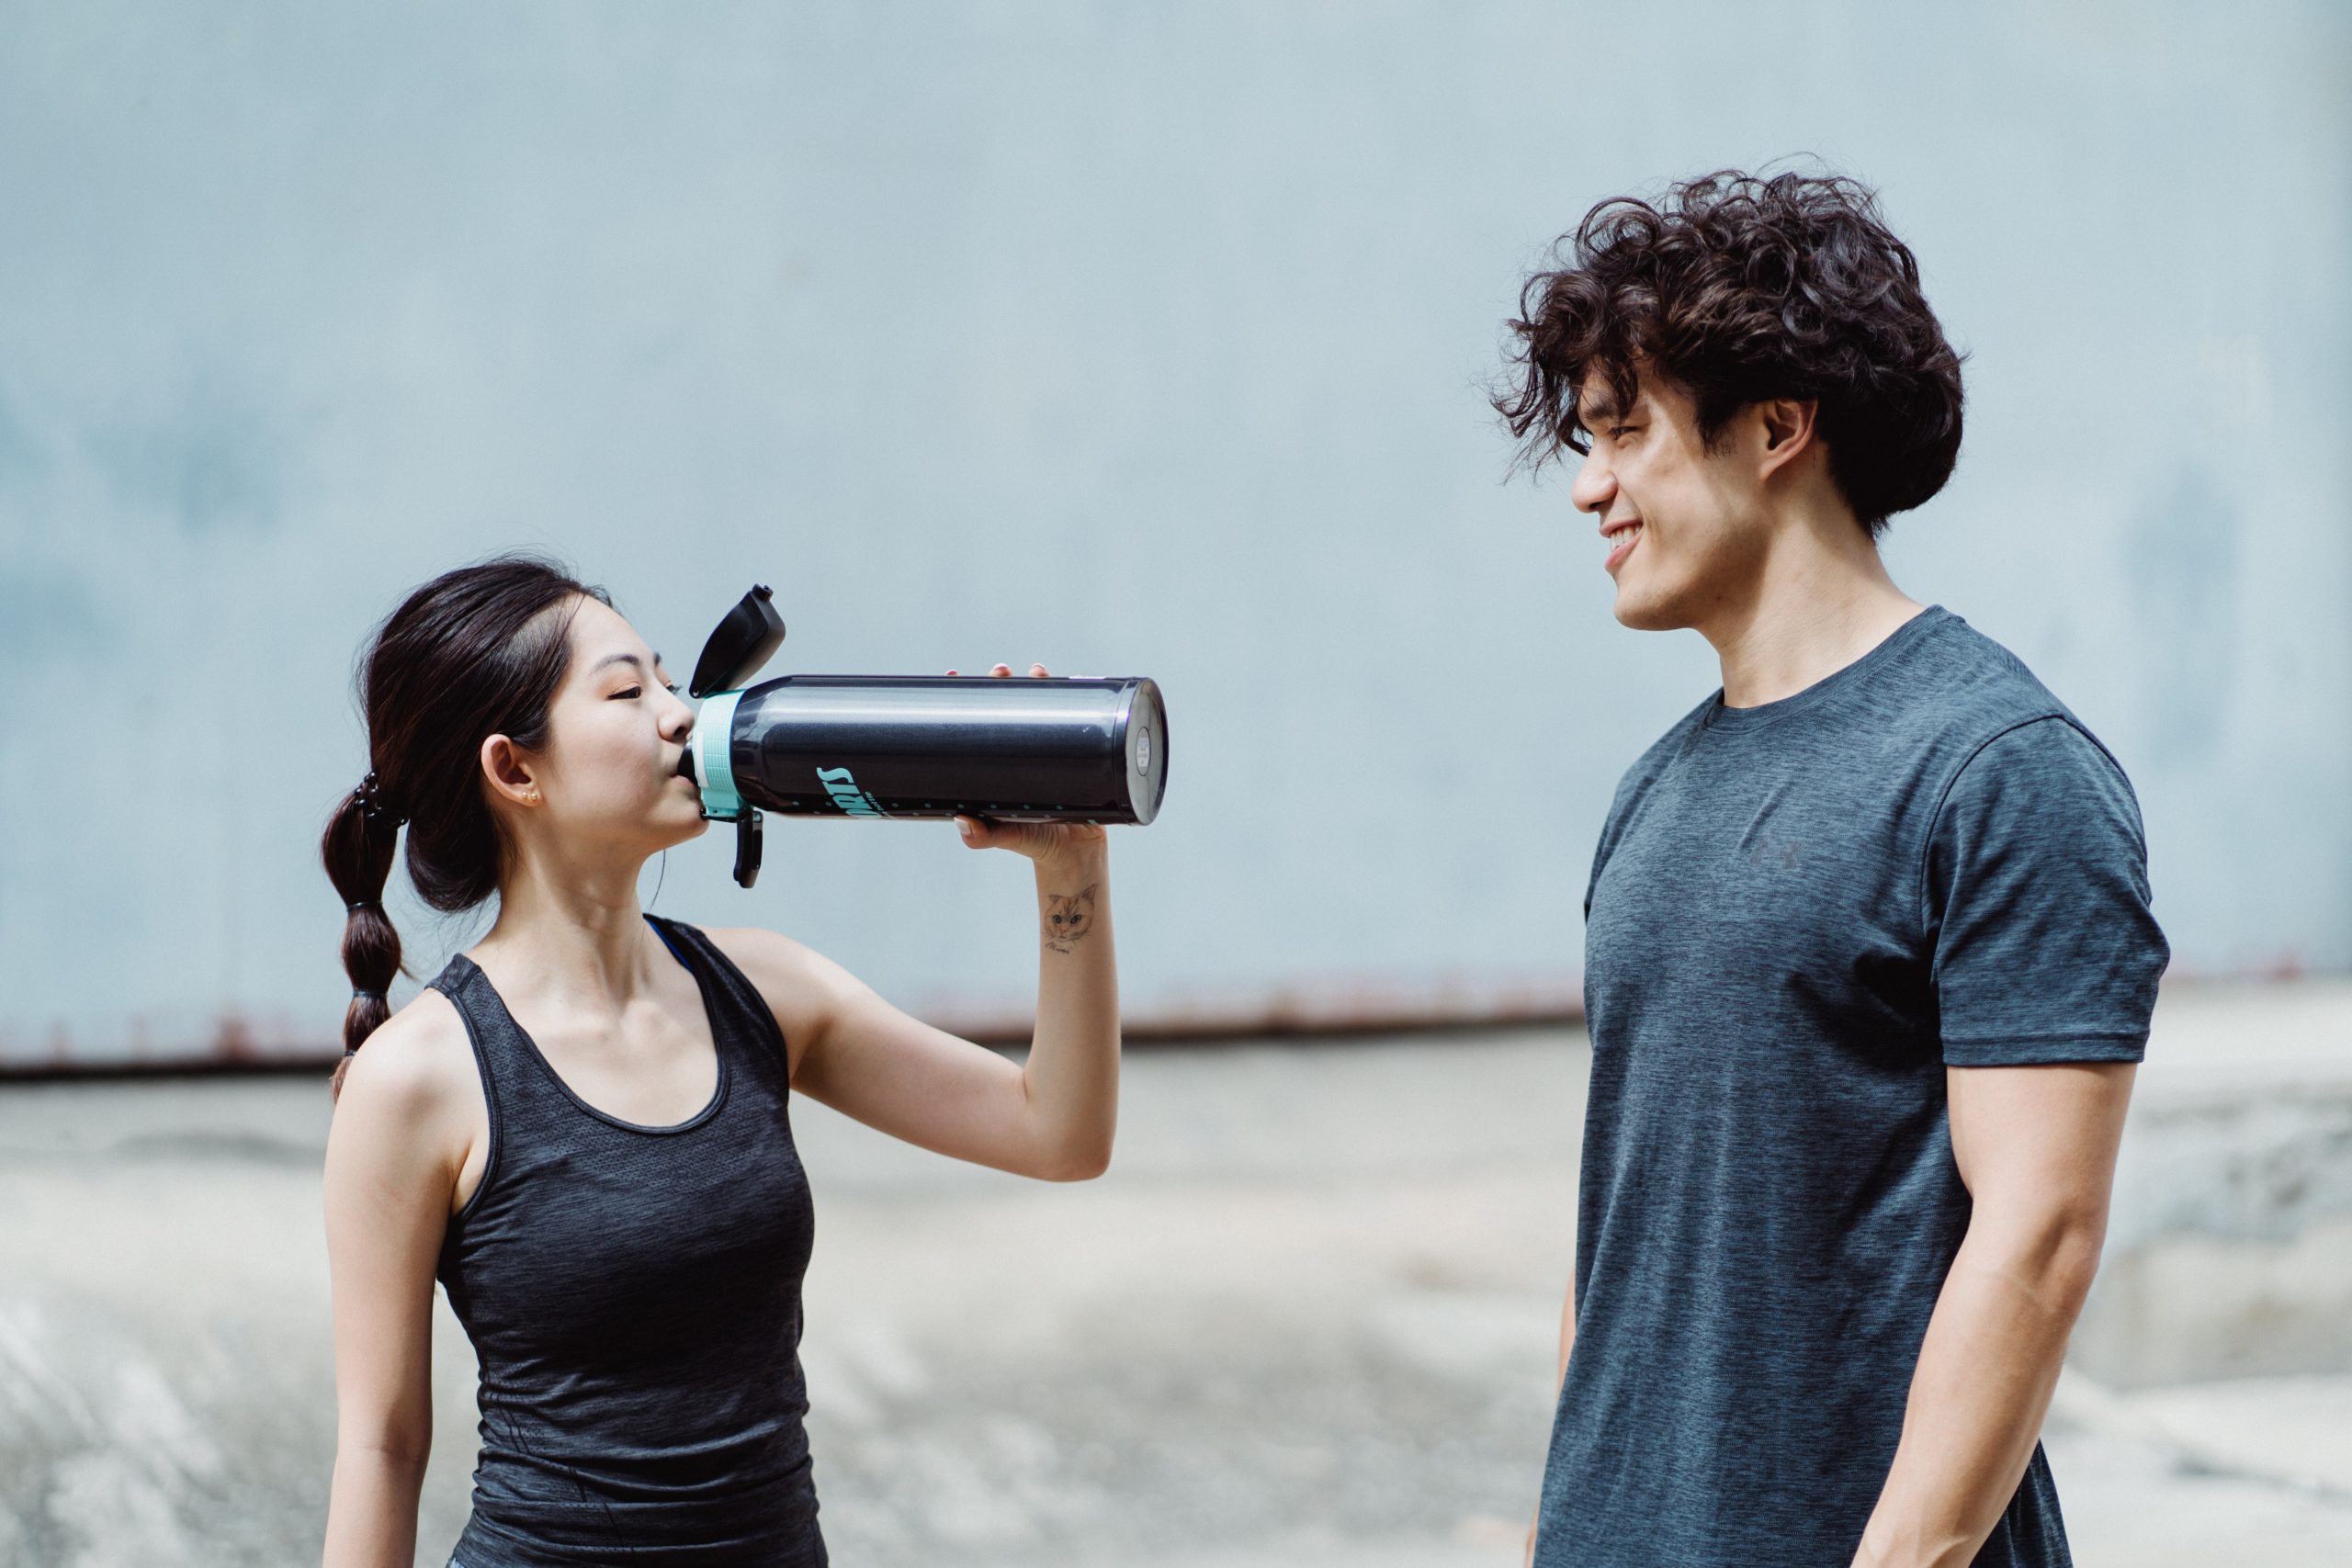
[633, 1295]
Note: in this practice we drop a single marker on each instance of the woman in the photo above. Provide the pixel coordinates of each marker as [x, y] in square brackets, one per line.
[580, 1128]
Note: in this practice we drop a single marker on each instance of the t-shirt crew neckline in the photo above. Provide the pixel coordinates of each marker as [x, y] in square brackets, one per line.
[1721, 716]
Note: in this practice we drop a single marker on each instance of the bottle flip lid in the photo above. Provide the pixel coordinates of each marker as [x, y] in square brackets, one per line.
[745, 639]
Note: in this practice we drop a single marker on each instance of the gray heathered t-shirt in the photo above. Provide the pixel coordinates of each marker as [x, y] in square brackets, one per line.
[1801, 914]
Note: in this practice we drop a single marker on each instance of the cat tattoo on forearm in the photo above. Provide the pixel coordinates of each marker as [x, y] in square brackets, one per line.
[1068, 917]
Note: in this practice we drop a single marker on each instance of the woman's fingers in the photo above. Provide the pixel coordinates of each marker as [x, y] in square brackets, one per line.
[981, 834]
[1038, 840]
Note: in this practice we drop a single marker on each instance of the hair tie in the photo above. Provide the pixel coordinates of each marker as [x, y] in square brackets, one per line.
[368, 995]
[372, 805]
[365, 904]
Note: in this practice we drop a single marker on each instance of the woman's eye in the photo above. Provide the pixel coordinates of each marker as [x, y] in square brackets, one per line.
[632, 691]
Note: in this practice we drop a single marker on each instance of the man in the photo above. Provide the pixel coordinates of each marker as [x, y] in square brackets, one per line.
[1869, 951]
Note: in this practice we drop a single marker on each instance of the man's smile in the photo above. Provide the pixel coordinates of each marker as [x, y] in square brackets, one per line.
[1621, 537]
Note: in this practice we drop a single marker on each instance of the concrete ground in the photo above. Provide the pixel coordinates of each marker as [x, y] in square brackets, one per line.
[1306, 1321]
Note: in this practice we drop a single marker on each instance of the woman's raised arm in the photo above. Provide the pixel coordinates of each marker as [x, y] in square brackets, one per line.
[1053, 1117]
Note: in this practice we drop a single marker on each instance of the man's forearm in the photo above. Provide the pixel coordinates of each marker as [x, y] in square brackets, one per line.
[1560, 1382]
[1568, 1339]
[1978, 1395]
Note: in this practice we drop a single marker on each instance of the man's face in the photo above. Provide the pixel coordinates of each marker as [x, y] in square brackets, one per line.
[1681, 525]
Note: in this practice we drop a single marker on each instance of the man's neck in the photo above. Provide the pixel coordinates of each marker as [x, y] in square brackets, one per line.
[1822, 600]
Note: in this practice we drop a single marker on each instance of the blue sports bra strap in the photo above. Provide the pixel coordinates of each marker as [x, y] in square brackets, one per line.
[662, 928]
[747, 1012]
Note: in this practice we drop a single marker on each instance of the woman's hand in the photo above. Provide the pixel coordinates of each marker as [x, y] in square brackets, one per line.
[1044, 842]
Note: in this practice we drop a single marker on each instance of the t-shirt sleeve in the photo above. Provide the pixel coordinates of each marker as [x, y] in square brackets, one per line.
[2045, 948]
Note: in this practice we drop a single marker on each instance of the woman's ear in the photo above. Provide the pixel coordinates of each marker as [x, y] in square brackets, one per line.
[509, 775]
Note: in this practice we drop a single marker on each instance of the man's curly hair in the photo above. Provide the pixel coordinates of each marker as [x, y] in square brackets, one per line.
[1735, 289]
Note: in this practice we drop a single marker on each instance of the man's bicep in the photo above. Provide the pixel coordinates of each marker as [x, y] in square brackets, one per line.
[2038, 1135]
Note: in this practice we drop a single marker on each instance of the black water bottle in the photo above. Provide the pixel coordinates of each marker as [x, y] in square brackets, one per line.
[878, 747]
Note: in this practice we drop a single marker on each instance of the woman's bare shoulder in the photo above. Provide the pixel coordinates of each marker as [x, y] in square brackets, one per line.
[787, 971]
[805, 989]
[418, 1063]
[753, 948]
[410, 1113]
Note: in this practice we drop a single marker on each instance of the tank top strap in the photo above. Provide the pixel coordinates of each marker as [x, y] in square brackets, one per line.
[508, 1074]
[740, 1016]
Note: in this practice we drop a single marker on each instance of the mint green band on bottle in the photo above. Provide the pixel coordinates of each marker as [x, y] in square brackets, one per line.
[714, 755]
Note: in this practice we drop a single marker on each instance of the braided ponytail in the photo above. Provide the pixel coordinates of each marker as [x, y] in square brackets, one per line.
[476, 652]
[357, 848]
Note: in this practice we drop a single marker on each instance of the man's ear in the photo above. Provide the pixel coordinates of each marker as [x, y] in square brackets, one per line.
[1787, 427]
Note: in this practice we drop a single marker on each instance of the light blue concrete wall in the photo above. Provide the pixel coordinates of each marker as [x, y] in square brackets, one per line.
[1136, 337]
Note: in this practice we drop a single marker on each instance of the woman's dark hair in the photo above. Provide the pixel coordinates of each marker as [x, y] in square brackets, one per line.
[476, 652]
[1737, 290]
